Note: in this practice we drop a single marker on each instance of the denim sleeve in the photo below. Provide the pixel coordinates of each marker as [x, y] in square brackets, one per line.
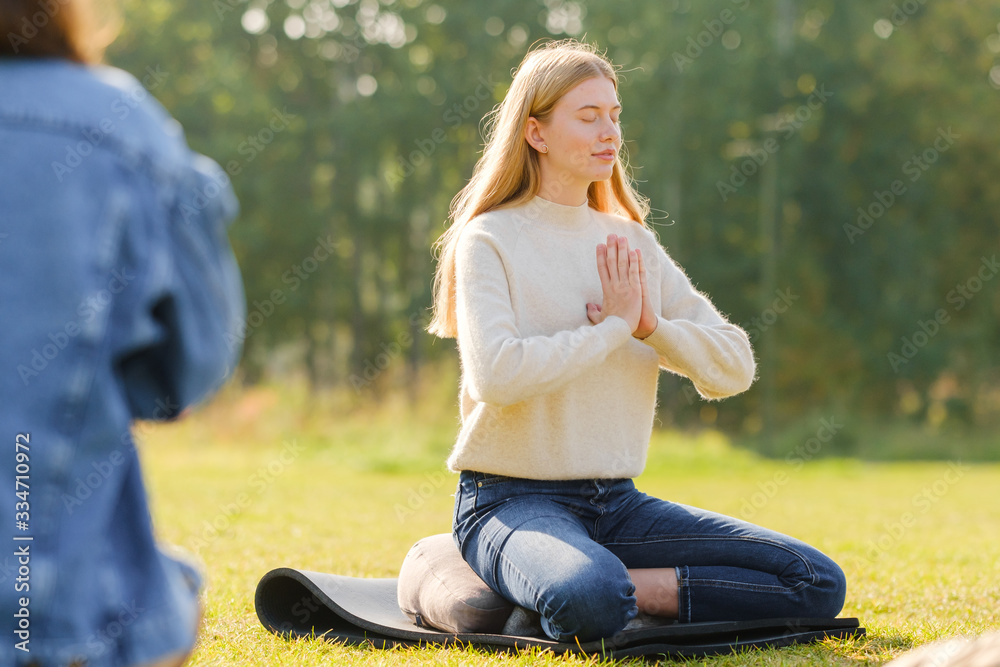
[184, 336]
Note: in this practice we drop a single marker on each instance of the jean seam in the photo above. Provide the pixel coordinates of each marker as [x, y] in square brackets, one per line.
[756, 588]
[601, 511]
[492, 480]
[683, 594]
[757, 540]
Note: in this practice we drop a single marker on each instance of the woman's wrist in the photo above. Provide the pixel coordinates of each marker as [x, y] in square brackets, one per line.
[645, 335]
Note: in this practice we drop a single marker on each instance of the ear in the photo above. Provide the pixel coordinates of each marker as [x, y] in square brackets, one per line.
[533, 132]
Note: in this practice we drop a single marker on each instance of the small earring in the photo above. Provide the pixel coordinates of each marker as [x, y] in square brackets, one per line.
[545, 148]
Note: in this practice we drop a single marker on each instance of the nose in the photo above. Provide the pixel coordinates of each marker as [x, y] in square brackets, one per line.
[610, 131]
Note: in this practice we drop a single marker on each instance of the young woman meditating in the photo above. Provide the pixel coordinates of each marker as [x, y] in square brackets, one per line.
[565, 307]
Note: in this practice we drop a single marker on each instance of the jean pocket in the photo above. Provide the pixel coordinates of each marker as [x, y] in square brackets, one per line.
[484, 480]
[490, 491]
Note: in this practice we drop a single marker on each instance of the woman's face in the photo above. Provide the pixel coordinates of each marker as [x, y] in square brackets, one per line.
[582, 136]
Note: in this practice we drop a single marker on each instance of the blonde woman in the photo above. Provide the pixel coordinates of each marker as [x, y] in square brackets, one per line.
[565, 307]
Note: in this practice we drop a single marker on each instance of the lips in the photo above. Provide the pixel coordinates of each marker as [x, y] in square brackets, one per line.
[606, 155]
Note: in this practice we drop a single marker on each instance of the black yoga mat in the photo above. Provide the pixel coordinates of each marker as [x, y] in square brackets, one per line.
[364, 611]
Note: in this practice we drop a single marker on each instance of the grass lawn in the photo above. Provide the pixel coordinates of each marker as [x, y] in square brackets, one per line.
[261, 479]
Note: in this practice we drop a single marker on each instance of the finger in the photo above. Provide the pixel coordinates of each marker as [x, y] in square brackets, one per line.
[624, 255]
[633, 270]
[612, 259]
[602, 265]
[594, 313]
[642, 271]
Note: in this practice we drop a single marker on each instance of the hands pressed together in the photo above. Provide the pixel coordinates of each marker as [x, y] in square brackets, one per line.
[623, 281]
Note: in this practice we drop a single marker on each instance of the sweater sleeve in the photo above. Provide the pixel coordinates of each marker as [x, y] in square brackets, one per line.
[500, 365]
[694, 340]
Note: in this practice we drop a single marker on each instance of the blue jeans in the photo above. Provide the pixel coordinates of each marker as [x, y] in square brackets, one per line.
[562, 548]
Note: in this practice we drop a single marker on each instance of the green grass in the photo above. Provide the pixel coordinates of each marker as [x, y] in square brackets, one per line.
[264, 479]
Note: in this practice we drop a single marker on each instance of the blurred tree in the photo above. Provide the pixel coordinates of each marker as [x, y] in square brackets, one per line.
[824, 170]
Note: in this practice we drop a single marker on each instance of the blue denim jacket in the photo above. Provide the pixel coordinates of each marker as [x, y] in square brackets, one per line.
[119, 300]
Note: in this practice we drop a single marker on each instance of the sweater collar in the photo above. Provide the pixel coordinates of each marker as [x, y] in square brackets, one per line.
[543, 210]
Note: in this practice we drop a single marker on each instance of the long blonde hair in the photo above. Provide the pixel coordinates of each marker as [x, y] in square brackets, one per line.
[508, 173]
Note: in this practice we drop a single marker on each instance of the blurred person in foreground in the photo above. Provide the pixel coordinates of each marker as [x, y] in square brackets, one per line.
[118, 288]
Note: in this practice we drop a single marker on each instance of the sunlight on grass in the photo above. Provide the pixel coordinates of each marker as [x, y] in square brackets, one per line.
[266, 478]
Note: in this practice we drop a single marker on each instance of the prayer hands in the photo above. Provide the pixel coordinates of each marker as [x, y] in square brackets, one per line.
[623, 281]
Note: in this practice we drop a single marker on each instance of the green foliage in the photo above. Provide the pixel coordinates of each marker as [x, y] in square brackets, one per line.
[837, 153]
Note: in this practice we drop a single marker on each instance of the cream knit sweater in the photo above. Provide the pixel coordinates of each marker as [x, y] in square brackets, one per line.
[546, 394]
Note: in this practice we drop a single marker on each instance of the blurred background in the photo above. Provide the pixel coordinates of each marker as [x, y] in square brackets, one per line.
[826, 171]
